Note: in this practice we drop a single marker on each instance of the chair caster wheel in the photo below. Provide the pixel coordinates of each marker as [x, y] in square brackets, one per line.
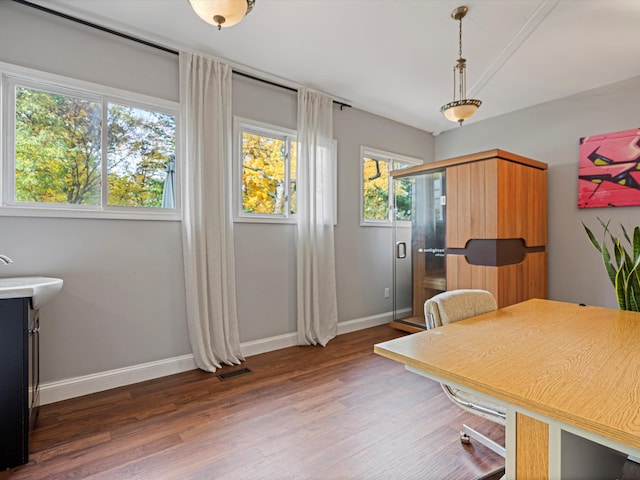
[464, 438]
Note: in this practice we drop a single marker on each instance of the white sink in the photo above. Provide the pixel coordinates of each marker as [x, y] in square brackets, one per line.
[40, 289]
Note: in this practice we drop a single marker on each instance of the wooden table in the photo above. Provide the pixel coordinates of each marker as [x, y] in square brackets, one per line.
[568, 375]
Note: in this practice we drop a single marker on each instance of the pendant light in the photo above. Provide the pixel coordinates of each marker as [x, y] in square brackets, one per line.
[461, 108]
[222, 13]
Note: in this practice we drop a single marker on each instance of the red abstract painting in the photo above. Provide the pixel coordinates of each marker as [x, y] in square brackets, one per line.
[609, 170]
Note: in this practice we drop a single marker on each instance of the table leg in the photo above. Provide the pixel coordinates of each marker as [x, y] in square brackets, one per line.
[532, 448]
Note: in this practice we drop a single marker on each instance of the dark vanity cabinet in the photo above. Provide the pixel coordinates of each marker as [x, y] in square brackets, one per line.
[19, 379]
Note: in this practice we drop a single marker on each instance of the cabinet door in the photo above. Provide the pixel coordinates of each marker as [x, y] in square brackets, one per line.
[471, 202]
[496, 199]
[522, 203]
[13, 378]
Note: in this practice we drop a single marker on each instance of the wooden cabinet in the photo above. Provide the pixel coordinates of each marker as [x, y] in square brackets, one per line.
[496, 198]
[496, 226]
[19, 379]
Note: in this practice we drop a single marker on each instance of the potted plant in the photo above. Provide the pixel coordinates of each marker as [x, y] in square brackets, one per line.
[622, 263]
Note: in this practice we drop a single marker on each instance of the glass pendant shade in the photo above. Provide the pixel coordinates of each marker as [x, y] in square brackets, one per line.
[222, 13]
[460, 110]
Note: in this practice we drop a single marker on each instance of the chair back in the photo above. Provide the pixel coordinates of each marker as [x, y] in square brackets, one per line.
[455, 305]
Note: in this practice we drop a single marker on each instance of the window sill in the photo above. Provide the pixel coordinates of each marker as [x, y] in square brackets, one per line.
[43, 212]
[376, 224]
[386, 224]
[271, 221]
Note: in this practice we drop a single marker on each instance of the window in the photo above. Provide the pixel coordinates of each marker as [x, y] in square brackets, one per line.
[378, 188]
[76, 150]
[266, 172]
[140, 157]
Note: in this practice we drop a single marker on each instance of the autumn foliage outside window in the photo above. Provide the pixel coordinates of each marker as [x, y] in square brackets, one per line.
[268, 173]
[76, 149]
[380, 192]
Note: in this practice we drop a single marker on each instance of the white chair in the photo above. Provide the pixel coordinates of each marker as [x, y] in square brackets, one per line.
[449, 307]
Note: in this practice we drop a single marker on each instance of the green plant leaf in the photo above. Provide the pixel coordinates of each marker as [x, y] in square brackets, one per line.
[624, 232]
[592, 237]
[621, 263]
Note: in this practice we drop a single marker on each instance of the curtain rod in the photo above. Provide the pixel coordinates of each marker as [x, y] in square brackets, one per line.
[150, 44]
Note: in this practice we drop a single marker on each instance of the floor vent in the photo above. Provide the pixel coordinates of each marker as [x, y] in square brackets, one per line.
[234, 374]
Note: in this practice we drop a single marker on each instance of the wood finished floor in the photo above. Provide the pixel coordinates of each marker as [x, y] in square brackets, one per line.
[339, 412]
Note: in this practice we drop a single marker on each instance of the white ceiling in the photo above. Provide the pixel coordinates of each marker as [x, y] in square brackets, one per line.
[395, 58]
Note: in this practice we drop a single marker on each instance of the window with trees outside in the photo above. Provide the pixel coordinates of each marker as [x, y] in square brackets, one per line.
[76, 150]
[266, 172]
[379, 189]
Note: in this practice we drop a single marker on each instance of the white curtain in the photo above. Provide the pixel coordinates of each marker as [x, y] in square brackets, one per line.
[316, 278]
[168, 191]
[205, 102]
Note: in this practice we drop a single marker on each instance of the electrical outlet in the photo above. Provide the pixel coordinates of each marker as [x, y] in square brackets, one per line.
[386, 293]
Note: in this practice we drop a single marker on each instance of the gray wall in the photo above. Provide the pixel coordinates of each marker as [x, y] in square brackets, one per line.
[266, 252]
[550, 133]
[38, 40]
[364, 259]
[123, 300]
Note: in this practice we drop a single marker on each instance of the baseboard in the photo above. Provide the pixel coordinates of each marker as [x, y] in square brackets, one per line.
[365, 322]
[56, 391]
[291, 339]
[264, 345]
[51, 392]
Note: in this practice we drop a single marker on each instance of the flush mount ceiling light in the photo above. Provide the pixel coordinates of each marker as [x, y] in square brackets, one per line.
[222, 13]
[462, 107]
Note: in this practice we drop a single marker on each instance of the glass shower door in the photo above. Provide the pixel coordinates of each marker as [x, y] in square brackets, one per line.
[419, 245]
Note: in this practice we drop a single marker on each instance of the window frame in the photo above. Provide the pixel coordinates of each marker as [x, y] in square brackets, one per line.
[12, 76]
[392, 159]
[241, 125]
